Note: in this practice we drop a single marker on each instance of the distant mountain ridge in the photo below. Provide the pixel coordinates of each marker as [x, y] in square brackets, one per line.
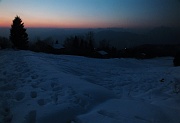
[122, 39]
[117, 37]
[165, 35]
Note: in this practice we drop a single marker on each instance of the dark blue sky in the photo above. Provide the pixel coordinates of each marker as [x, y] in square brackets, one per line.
[91, 13]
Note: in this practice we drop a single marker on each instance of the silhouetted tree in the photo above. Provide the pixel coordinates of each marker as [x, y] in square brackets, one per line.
[76, 42]
[68, 43]
[176, 60]
[104, 45]
[113, 52]
[78, 45]
[4, 43]
[56, 42]
[90, 40]
[18, 35]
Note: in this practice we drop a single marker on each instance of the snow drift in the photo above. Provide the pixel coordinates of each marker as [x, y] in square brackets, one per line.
[44, 88]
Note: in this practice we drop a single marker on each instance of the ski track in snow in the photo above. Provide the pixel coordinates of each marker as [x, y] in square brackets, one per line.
[44, 88]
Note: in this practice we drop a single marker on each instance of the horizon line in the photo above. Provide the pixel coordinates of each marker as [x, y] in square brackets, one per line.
[43, 27]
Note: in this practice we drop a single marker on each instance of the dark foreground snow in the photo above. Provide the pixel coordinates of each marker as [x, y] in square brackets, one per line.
[43, 88]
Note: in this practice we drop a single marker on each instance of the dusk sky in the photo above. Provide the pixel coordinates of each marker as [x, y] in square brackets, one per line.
[91, 13]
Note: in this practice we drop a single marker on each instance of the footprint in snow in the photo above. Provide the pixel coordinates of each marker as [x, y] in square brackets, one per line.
[4, 73]
[34, 76]
[19, 96]
[33, 94]
[42, 102]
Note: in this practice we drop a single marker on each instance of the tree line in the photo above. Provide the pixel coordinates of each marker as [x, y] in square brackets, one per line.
[80, 45]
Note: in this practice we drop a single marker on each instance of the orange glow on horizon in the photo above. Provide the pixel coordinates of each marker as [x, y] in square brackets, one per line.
[56, 24]
[5, 22]
[90, 14]
[38, 23]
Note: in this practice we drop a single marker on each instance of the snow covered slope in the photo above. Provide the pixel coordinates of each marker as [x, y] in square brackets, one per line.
[44, 88]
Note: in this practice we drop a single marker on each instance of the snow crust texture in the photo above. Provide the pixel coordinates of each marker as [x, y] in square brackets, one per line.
[44, 88]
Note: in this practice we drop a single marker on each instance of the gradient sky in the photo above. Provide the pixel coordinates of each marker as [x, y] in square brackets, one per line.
[91, 13]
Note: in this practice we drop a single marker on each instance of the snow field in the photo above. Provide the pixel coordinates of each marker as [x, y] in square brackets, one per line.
[44, 88]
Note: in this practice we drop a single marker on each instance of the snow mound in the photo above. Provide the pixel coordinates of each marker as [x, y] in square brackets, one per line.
[44, 88]
[129, 111]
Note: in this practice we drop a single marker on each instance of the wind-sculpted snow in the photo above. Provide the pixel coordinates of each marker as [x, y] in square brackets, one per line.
[44, 88]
